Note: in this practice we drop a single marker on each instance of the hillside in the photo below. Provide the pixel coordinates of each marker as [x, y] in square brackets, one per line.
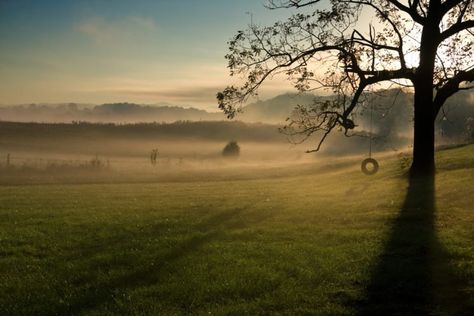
[106, 113]
[294, 240]
[392, 112]
[274, 110]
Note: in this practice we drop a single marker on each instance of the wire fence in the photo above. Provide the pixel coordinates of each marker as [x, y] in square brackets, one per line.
[8, 159]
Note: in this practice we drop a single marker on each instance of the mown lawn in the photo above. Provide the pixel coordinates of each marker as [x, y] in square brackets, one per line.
[312, 243]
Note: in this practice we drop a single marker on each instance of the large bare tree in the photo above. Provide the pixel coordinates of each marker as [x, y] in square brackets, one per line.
[426, 45]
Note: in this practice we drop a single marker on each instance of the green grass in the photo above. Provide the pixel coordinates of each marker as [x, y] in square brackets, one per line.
[306, 243]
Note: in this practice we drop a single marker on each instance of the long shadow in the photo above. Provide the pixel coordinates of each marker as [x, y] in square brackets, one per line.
[209, 229]
[403, 282]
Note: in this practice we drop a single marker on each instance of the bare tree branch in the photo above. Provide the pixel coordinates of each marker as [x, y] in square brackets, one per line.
[451, 87]
[456, 28]
[414, 43]
[410, 10]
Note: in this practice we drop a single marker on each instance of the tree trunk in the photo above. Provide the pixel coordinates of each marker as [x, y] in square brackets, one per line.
[424, 136]
[424, 139]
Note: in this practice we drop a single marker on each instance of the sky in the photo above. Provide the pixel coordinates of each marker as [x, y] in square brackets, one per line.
[142, 51]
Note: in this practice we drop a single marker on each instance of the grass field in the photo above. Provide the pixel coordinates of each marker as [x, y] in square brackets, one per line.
[308, 242]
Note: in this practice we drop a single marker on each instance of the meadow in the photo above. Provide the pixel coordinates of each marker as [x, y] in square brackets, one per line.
[310, 238]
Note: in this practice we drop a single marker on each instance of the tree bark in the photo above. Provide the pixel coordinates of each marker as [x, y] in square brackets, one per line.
[424, 137]
[424, 122]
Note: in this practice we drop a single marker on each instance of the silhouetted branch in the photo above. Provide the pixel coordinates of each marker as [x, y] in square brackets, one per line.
[330, 38]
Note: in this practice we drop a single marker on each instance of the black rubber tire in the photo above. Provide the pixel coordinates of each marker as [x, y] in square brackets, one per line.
[369, 171]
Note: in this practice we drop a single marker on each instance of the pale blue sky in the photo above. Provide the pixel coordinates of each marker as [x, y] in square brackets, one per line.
[145, 51]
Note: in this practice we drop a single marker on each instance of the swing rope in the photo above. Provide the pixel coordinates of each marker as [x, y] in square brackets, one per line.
[370, 128]
[370, 160]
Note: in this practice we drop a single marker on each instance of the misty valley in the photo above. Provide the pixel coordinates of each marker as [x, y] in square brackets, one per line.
[112, 151]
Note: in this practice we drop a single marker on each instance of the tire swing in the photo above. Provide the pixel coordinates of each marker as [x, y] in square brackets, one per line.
[370, 166]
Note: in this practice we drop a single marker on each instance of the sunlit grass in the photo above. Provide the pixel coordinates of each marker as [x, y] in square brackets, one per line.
[306, 242]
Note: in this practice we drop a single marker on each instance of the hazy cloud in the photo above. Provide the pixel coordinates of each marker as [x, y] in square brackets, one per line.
[104, 31]
[200, 95]
[144, 22]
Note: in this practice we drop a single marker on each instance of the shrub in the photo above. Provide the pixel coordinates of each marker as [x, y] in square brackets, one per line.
[232, 149]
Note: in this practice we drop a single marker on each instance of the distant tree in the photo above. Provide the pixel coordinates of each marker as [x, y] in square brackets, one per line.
[426, 45]
[232, 149]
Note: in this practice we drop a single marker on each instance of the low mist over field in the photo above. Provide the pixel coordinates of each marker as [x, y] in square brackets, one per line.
[196, 141]
[103, 150]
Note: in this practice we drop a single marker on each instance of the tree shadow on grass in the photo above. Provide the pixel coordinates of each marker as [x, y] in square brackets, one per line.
[414, 275]
[204, 232]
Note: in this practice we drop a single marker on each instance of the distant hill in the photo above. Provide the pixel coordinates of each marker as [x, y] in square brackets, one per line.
[110, 113]
[274, 110]
[392, 112]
